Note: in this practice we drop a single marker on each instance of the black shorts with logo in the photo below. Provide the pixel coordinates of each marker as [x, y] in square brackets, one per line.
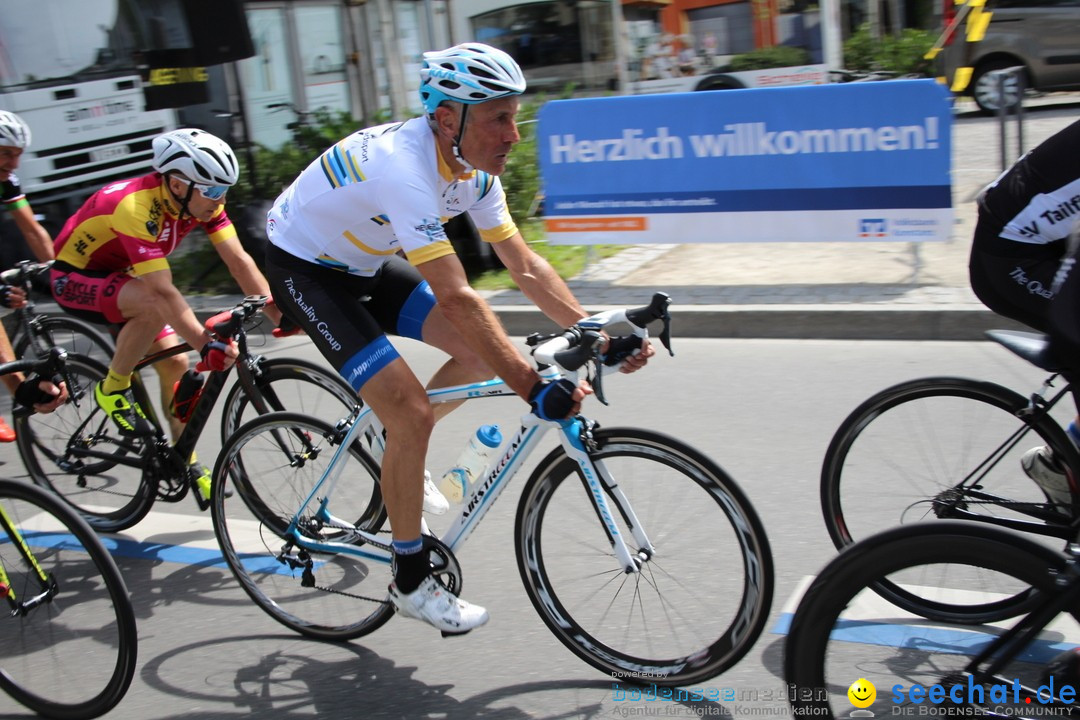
[348, 316]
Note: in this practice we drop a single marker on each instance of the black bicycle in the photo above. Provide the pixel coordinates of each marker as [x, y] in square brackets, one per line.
[113, 480]
[34, 333]
[843, 633]
[68, 641]
[951, 448]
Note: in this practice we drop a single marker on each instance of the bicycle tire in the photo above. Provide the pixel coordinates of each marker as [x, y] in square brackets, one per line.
[837, 636]
[901, 455]
[348, 597]
[584, 602]
[72, 657]
[296, 385]
[74, 335]
[109, 491]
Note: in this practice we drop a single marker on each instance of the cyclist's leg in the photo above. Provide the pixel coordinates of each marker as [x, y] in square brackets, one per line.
[114, 297]
[169, 372]
[405, 304]
[328, 305]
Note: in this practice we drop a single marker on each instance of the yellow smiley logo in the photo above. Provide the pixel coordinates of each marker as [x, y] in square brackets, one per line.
[862, 693]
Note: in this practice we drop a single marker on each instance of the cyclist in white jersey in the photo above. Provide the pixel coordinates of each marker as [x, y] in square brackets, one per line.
[363, 221]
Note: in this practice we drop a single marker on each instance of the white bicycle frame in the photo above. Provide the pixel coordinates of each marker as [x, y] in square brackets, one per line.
[482, 495]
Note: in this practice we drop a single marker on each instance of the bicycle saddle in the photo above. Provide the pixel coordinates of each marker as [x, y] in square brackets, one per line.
[1033, 347]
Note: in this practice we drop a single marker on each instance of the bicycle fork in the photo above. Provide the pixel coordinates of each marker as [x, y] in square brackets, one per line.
[580, 444]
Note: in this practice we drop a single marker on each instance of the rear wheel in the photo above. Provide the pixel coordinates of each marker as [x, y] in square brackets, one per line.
[939, 448]
[272, 464]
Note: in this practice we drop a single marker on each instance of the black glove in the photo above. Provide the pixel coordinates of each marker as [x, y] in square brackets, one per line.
[619, 348]
[29, 392]
[5, 295]
[552, 400]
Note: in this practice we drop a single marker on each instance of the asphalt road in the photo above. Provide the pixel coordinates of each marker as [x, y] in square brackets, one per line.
[763, 409]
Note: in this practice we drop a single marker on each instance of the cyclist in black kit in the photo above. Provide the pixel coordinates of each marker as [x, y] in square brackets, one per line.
[14, 139]
[1022, 256]
[1023, 259]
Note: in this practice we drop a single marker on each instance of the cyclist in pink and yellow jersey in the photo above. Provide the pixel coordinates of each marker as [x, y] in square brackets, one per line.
[112, 267]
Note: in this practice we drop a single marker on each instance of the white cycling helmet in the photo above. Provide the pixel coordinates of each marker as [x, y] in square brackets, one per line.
[14, 132]
[197, 155]
[469, 73]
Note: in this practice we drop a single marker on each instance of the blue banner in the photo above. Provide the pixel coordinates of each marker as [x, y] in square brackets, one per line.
[852, 161]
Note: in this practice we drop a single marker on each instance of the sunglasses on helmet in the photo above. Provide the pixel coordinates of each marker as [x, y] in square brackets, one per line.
[211, 192]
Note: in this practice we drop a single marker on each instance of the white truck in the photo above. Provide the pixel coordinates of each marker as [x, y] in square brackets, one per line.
[67, 69]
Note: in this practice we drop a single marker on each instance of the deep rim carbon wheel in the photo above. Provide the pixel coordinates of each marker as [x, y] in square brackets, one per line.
[272, 464]
[294, 386]
[842, 631]
[73, 654]
[931, 449]
[693, 609]
[78, 453]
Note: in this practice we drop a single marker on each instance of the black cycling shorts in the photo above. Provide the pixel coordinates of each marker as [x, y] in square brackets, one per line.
[348, 316]
[1014, 279]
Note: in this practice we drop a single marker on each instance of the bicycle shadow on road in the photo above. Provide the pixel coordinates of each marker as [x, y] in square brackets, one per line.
[301, 678]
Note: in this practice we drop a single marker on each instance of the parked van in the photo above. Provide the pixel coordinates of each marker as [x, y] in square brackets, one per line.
[1040, 36]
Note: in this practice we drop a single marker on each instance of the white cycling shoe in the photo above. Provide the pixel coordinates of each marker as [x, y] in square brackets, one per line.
[1040, 465]
[439, 607]
[434, 501]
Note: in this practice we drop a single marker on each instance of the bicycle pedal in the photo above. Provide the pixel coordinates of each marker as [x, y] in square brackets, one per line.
[448, 633]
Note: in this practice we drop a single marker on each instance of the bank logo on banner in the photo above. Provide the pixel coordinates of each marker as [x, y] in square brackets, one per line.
[845, 162]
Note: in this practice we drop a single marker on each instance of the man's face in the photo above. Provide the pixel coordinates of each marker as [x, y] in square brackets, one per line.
[9, 161]
[199, 207]
[490, 132]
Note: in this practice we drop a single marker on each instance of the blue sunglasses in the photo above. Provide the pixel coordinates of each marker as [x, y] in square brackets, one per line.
[211, 192]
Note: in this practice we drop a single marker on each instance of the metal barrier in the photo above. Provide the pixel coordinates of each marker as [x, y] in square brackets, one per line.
[1010, 81]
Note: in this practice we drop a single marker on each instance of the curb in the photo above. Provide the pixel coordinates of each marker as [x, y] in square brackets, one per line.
[804, 322]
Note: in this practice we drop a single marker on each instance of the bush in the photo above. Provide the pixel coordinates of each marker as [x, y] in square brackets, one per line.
[771, 57]
[901, 54]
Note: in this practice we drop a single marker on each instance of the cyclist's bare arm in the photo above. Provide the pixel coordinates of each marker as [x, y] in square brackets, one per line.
[539, 281]
[157, 287]
[477, 323]
[247, 274]
[541, 284]
[37, 237]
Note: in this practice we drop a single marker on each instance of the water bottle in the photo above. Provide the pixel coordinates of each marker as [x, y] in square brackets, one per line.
[186, 393]
[474, 459]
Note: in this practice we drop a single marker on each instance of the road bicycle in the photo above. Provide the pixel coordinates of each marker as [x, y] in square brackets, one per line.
[638, 552]
[113, 480]
[34, 334]
[68, 641]
[842, 633]
[950, 448]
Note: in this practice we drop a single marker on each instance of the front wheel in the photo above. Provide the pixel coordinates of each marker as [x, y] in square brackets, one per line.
[842, 632]
[77, 452]
[938, 448]
[69, 636]
[694, 608]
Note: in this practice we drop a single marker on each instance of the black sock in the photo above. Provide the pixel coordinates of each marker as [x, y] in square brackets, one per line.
[411, 570]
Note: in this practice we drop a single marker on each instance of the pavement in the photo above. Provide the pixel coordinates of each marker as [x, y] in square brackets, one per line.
[843, 290]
